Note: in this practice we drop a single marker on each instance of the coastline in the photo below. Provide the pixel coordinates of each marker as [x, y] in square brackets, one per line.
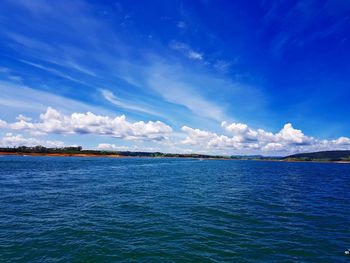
[63, 154]
[100, 155]
[158, 157]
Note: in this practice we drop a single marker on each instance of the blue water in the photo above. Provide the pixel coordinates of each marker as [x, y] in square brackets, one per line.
[57, 209]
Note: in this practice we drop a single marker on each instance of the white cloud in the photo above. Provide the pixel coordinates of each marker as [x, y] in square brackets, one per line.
[53, 121]
[22, 125]
[3, 124]
[273, 147]
[196, 136]
[186, 50]
[194, 55]
[293, 136]
[107, 146]
[11, 140]
[23, 118]
[342, 141]
[237, 128]
[114, 147]
[242, 138]
[287, 140]
[287, 134]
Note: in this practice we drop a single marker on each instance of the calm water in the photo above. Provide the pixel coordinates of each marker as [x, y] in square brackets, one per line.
[56, 209]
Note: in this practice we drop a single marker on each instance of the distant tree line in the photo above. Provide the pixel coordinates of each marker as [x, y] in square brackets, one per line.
[71, 150]
[42, 149]
[332, 156]
[79, 150]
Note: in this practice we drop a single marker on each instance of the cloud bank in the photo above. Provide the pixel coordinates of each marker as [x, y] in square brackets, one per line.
[54, 122]
[12, 140]
[242, 137]
[235, 137]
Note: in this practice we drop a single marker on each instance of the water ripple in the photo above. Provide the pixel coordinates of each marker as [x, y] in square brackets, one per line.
[172, 210]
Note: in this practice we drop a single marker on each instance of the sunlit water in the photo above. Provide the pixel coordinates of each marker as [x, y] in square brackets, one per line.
[56, 209]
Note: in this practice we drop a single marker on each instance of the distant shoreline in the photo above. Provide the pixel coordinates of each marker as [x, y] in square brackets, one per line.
[63, 154]
[104, 155]
[101, 155]
[77, 151]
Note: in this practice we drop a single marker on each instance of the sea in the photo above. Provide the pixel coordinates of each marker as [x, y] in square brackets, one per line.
[76, 209]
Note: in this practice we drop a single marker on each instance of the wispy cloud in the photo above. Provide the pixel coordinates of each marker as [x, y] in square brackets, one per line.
[186, 50]
[306, 12]
[54, 71]
[169, 81]
[56, 55]
[29, 42]
[182, 25]
[10, 75]
[125, 104]
[179, 90]
[80, 68]
[24, 99]
[222, 65]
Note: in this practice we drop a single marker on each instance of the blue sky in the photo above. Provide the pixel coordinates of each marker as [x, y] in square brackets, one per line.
[230, 77]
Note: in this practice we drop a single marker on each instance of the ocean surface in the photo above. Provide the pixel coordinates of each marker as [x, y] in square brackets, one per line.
[71, 209]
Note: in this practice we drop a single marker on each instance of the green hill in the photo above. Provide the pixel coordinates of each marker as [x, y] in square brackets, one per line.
[321, 156]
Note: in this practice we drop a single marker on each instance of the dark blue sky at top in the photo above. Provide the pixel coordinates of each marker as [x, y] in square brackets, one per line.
[264, 63]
